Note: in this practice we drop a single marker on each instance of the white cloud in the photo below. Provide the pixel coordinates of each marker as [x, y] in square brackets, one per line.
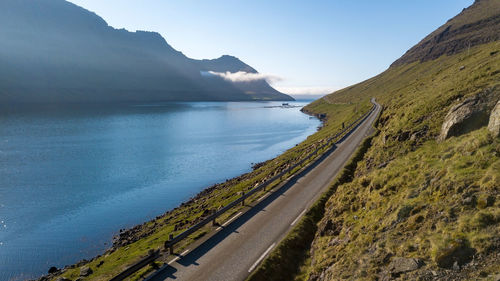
[305, 90]
[242, 76]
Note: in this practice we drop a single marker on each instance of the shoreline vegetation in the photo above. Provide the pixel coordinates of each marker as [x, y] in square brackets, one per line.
[130, 245]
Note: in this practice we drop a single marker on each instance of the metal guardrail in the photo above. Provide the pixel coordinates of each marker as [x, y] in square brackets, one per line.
[151, 257]
[174, 240]
[169, 244]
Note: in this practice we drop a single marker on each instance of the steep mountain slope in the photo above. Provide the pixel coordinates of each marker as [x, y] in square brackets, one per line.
[423, 203]
[418, 208]
[55, 51]
[475, 25]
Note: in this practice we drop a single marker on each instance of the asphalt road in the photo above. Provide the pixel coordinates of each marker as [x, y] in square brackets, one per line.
[240, 245]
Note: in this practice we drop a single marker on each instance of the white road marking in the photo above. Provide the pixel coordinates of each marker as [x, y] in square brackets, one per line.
[261, 257]
[172, 261]
[178, 257]
[229, 221]
[297, 219]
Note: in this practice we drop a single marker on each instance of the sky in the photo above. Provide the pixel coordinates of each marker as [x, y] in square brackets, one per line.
[307, 47]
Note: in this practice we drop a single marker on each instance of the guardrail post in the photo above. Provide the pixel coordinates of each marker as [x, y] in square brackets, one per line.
[170, 245]
[243, 201]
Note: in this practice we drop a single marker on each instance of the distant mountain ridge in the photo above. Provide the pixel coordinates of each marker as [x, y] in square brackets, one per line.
[53, 51]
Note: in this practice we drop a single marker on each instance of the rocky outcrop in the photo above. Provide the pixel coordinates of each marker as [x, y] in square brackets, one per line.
[464, 117]
[400, 265]
[494, 123]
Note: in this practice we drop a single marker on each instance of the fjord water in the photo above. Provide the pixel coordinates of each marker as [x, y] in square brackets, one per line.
[71, 177]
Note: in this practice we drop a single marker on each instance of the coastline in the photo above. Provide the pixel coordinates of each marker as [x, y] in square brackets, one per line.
[128, 236]
[128, 242]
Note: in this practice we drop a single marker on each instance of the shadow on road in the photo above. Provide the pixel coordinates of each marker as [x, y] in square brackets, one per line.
[191, 258]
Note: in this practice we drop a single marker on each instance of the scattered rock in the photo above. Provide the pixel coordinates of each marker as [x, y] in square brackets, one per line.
[494, 123]
[383, 165]
[419, 133]
[384, 138]
[85, 271]
[62, 279]
[462, 67]
[470, 200]
[401, 265]
[82, 262]
[331, 228]
[403, 136]
[464, 117]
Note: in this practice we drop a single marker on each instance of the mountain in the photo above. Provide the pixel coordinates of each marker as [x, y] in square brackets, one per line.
[424, 201]
[475, 25]
[53, 51]
[420, 200]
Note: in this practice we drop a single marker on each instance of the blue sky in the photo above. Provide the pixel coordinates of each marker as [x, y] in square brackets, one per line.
[313, 46]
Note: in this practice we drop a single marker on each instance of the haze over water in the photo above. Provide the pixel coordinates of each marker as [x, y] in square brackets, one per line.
[70, 178]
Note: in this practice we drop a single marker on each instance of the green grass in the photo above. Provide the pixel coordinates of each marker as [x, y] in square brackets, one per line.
[157, 231]
[287, 260]
[415, 197]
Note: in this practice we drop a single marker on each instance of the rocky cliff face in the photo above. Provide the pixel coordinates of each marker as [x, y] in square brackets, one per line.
[478, 24]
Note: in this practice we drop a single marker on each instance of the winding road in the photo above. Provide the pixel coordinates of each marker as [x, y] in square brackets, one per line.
[245, 240]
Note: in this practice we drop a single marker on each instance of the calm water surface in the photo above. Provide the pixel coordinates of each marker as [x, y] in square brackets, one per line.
[70, 178]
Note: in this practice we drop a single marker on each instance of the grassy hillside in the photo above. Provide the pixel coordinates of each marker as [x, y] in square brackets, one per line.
[415, 208]
[413, 197]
